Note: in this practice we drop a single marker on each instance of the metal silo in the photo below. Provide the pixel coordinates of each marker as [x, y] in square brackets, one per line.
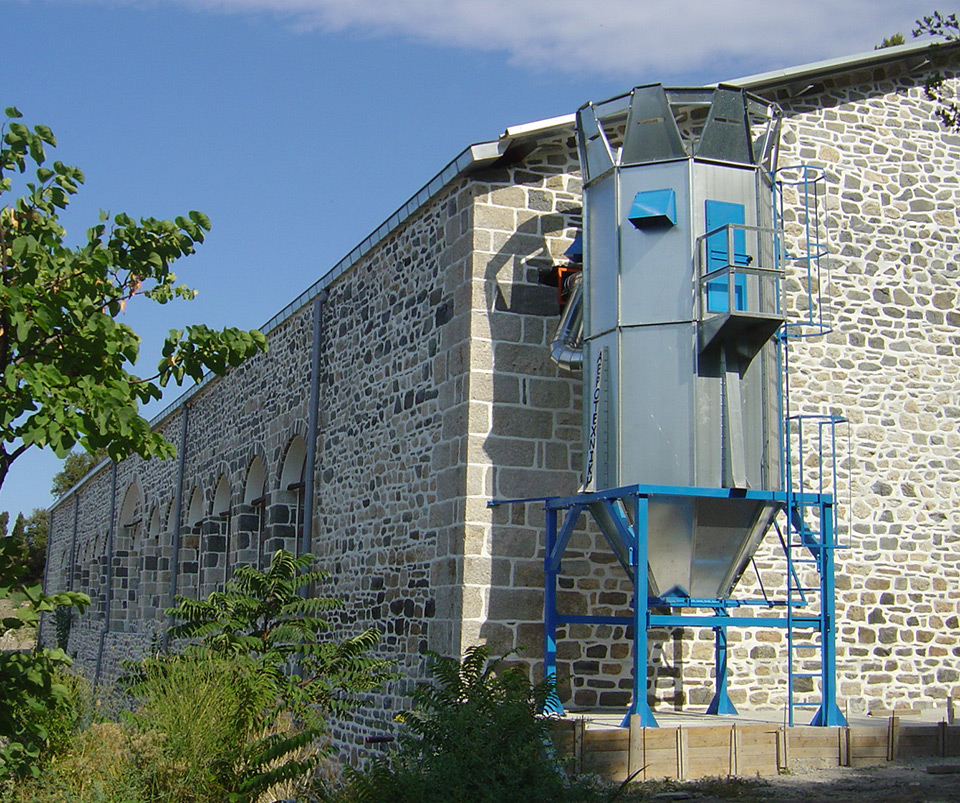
[677, 325]
[681, 300]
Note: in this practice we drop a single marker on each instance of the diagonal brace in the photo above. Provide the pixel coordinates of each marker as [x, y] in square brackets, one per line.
[552, 562]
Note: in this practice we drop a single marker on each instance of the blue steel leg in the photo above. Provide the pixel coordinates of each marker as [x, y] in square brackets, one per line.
[721, 702]
[639, 704]
[829, 713]
[553, 704]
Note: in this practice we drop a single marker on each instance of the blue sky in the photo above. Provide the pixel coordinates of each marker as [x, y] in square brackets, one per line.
[298, 126]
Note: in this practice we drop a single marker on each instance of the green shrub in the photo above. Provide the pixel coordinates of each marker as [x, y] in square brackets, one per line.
[31, 692]
[238, 717]
[290, 675]
[476, 735]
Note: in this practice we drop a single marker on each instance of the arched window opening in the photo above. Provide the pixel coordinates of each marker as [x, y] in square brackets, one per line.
[190, 556]
[218, 553]
[195, 511]
[292, 481]
[172, 523]
[131, 515]
[154, 529]
[255, 495]
[149, 597]
[221, 497]
[126, 559]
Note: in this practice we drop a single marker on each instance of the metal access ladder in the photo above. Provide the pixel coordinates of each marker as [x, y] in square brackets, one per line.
[809, 545]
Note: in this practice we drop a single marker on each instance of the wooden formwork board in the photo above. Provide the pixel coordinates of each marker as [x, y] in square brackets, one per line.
[951, 740]
[686, 752]
[683, 752]
[919, 740]
[805, 742]
[868, 745]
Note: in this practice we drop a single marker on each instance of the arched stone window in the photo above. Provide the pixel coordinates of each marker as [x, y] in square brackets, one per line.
[253, 522]
[126, 559]
[172, 523]
[190, 545]
[153, 531]
[149, 606]
[215, 541]
[287, 513]
[131, 511]
[195, 511]
[221, 497]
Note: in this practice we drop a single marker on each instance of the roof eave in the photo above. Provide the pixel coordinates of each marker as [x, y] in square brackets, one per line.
[821, 69]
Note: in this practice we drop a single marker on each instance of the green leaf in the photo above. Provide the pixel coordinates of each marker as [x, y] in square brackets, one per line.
[46, 135]
[200, 219]
[12, 111]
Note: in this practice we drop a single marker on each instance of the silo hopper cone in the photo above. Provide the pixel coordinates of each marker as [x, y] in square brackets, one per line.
[698, 546]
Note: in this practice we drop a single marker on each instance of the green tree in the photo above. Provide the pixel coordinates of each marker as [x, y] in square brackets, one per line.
[28, 544]
[65, 355]
[945, 27]
[75, 467]
[35, 534]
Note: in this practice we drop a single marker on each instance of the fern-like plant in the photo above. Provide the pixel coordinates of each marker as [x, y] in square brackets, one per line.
[474, 734]
[290, 673]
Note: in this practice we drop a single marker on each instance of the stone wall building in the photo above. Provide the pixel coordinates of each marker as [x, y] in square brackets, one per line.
[428, 349]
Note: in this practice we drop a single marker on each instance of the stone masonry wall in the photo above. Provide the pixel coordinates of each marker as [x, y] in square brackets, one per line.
[891, 365]
[438, 395]
[389, 482]
[390, 477]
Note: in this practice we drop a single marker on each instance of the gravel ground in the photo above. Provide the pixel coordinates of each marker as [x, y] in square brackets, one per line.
[895, 783]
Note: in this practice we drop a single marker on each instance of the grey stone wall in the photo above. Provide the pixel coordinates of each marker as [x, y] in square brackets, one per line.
[437, 394]
[389, 483]
[891, 365]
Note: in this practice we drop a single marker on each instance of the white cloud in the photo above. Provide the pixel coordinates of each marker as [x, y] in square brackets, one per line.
[614, 36]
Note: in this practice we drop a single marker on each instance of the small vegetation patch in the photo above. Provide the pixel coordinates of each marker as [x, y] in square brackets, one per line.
[748, 790]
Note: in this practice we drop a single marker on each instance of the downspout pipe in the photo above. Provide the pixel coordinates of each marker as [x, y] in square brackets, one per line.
[566, 349]
[108, 602]
[309, 478]
[73, 540]
[177, 517]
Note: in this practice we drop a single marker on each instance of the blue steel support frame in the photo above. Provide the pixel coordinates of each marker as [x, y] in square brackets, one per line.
[639, 703]
[721, 703]
[553, 705]
[829, 712]
[633, 541]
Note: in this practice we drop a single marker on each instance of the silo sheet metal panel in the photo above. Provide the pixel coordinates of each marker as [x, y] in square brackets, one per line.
[656, 439]
[651, 289]
[602, 255]
[651, 134]
[700, 546]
